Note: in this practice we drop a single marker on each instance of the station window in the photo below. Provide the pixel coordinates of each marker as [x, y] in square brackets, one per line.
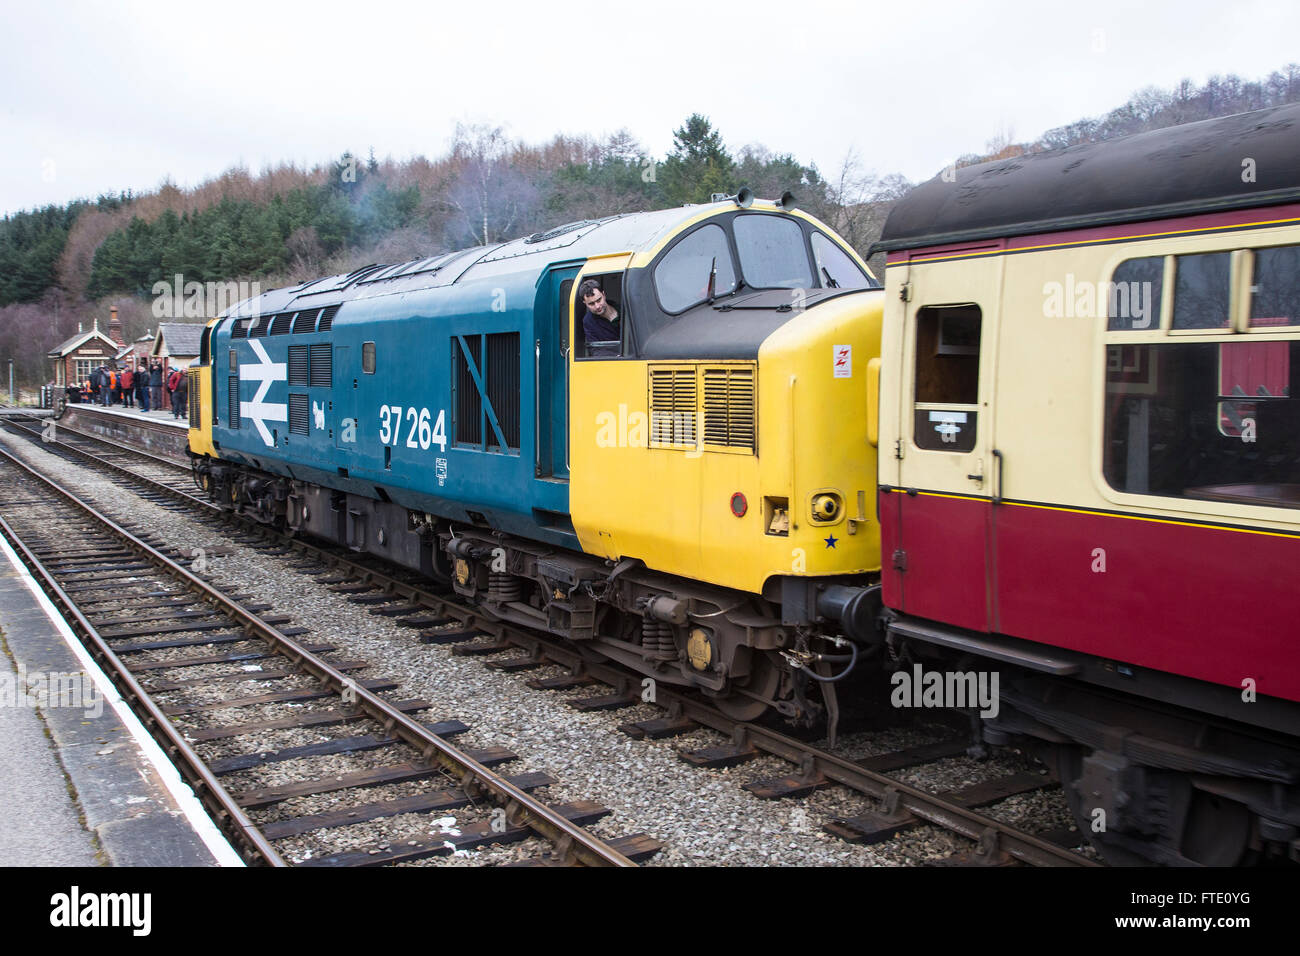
[1134, 295]
[1275, 287]
[947, 377]
[1201, 291]
[1211, 421]
[368, 357]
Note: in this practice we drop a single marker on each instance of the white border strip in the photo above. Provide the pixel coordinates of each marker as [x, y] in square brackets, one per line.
[169, 776]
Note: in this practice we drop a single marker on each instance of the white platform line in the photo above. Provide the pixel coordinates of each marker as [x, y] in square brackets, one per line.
[189, 805]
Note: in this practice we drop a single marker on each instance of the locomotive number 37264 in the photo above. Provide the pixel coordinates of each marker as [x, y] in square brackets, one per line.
[420, 429]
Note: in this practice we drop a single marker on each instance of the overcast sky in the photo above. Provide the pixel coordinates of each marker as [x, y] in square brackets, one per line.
[99, 97]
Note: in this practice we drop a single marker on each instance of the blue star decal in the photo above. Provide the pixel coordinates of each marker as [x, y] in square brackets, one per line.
[830, 542]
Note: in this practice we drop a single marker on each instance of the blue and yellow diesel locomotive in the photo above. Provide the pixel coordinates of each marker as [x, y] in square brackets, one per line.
[695, 499]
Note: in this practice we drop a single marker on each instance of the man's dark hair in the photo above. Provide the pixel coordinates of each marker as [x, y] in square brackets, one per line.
[588, 287]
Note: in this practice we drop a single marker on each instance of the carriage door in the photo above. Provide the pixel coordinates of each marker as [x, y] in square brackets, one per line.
[948, 473]
[550, 351]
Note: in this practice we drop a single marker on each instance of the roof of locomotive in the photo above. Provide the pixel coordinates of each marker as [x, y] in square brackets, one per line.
[629, 232]
[1198, 167]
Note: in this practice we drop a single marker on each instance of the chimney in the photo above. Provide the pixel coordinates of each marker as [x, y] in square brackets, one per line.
[115, 327]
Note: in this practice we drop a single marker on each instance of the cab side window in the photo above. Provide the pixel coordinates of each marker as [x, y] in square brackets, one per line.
[600, 324]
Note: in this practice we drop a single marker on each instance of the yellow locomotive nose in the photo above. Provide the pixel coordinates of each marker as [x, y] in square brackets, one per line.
[825, 507]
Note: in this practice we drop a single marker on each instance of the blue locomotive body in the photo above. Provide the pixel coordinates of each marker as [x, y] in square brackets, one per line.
[353, 397]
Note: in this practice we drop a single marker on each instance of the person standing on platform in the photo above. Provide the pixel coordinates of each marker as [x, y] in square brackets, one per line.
[179, 383]
[127, 378]
[155, 385]
[142, 386]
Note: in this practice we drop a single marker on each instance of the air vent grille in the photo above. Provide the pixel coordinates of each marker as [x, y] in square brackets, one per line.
[305, 321]
[299, 415]
[672, 405]
[729, 407]
[194, 403]
[327, 319]
[234, 401]
[322, 366]
[298, 365]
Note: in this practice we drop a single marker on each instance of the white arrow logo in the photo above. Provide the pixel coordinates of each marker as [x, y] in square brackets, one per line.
[259, 410]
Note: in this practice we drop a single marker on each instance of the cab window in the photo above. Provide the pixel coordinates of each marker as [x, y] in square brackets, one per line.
[835, 269]
[682, 278]
[772, 253]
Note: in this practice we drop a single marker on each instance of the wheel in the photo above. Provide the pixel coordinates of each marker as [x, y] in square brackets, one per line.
[764, 679]
[1216, 831]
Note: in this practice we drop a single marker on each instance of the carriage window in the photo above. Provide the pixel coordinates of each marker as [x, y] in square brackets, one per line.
[1133, 298]
[1201, 291]
[772, 253]
[1275, 287]
[368, 357]
[835, 269]
[682, 278]
[947, 377]
[1210, 421]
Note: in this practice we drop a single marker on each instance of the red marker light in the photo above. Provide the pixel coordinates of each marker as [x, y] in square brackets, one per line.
[739, 505]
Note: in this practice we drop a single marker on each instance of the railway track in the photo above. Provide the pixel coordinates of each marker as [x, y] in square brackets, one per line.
[896, 806]
[146, 618]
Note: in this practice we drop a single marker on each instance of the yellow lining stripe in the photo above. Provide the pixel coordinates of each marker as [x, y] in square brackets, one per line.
[1096, 242]
[1104, 514]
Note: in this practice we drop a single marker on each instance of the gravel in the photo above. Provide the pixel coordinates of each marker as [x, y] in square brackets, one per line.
[702, 816]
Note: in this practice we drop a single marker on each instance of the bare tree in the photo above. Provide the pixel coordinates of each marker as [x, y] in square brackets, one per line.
[493, 198]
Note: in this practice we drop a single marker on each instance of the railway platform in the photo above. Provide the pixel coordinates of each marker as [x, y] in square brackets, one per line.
[154, 431]
[81, 781]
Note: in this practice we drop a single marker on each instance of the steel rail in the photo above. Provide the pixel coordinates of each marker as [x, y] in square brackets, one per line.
[521, 807]
[218, 799]
[944, 813]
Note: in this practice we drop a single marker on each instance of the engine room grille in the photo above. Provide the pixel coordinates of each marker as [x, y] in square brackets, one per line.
[729, 407]
[322, 366]
[672, 405]
[327, 319]
[496, 358]
[502, 379]
[282, 323]
[194, 398]
[305, 321]
[233, 391]
[298, 365]
[467, 424]
[715, 406]
[299, 415]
